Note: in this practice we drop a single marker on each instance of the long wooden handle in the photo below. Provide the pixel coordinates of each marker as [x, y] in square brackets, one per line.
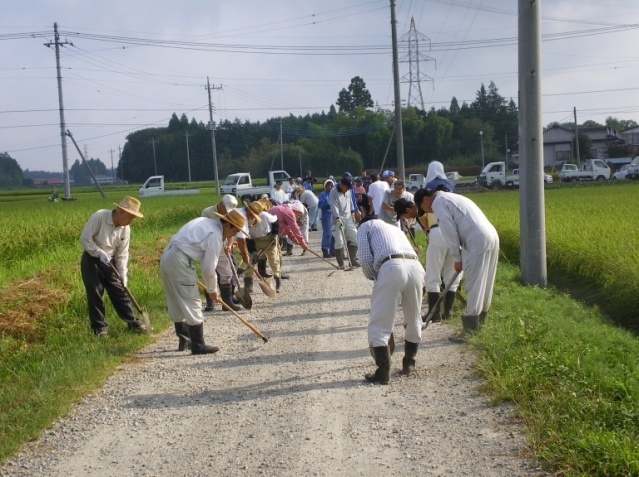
[228, 308]
[319, 256]
[128, 292]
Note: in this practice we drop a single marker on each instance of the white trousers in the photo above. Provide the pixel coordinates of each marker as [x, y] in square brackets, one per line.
[179, 278]
[439, 263]
[398, 280]
[350, 231]
[223, 268]
[479, 260]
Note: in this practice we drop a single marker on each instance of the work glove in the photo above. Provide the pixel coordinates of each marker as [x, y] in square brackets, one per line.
[125, 280]
[104, 258]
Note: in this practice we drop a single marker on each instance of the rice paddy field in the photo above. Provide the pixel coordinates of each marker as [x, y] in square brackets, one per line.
[570, 366]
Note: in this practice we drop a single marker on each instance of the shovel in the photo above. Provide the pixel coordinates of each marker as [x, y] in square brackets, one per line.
[264, 285]
[145, 317]
[241, 294]
[431, 313]
[228, 308]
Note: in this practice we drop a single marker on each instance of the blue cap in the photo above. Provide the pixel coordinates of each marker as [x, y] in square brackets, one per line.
[347, 182]
[386, 174]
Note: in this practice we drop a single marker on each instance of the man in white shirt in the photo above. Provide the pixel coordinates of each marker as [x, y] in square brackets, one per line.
[105, 240]
[278, 195]
[200, 240]
[376, 191]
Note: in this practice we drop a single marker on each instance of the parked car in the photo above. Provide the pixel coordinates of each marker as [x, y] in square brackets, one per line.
[621, 174]
[547, 177]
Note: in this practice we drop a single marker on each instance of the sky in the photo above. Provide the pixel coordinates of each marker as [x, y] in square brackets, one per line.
[127, 65]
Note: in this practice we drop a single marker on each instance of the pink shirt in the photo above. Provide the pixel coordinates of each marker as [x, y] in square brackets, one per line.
[287, 223]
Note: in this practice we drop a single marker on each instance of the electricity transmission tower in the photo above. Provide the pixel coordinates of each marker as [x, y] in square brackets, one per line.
[414, 77]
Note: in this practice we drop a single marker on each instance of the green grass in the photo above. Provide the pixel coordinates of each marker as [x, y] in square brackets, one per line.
[572, 373]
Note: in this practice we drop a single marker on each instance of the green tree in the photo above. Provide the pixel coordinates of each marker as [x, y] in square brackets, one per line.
[620, 124]
[10, 171]
[356, 96]
[81, 174]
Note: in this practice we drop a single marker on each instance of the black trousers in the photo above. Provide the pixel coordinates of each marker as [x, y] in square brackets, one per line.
[98, 277]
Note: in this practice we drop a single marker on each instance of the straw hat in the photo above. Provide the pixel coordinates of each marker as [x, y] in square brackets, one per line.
[300, 190]
[255, 208]
[266, 203]
[130, 205]
[234, 217]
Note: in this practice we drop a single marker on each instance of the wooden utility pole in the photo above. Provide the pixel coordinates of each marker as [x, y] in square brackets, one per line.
[577, 154]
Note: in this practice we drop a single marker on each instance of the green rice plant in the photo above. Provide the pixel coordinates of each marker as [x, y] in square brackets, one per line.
[592, 238]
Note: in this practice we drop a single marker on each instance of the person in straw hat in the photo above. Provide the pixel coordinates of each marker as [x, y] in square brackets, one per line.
[200, 240]
[224, 271]
[263, 242]
[105, 240]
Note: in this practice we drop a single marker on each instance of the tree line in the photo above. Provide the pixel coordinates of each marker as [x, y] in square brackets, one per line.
[354, 136]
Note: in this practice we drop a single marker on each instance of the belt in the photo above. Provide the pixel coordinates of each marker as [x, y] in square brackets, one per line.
[407, 256]
[432, 227]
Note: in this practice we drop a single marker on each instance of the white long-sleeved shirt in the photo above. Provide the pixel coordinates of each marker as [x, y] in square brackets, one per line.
[462, 223]
[376, 193]
[279, 196]
[201, 240]
[101, 235]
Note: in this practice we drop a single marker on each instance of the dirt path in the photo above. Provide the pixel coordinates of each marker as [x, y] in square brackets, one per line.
[297, 405]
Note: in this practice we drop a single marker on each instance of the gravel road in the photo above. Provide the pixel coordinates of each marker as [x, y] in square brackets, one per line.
[297, 405]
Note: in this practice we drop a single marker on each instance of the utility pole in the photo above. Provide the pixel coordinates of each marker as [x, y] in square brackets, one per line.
[401, 173]
[188, 157]
[63, 128]
[281, 147]
[155, 164]
[212, 128]
[112, 169]
[532, 229]
[120, 164]
[577, 155]
[506, 151]
[481, 143]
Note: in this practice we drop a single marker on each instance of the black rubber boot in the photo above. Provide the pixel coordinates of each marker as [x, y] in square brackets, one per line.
[196, 332]
[449, 301]
[470, 325]
[408, 362]
[278, 284]
[326, 253]
[182, 332]
[226, 294]
[261, 268]
[383, 361]
[432, 299]
[289, 249]
[352, 253]
[339, 256]
[233, 297]
[248, 284]
[209, 303]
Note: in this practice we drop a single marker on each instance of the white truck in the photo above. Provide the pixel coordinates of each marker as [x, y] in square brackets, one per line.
[155, 186]
[241, 185]
[591, 170]
[418, 181]
[632, 172]
[495, 176]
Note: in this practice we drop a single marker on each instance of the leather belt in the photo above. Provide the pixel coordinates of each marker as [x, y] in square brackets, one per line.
[407, 256]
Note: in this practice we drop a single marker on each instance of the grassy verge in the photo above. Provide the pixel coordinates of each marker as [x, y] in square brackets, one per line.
[573, 375]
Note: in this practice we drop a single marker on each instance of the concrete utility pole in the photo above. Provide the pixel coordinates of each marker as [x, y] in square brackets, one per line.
[212, 128]
[112, 169]
[577, 155]
[531, 182]
[63, 128]
[481, 143]
[281, 147]
[188, 157]
[155, 163]
[399, 133]
[120, 164]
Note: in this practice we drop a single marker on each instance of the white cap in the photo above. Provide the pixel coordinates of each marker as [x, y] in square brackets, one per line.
[229, 202]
